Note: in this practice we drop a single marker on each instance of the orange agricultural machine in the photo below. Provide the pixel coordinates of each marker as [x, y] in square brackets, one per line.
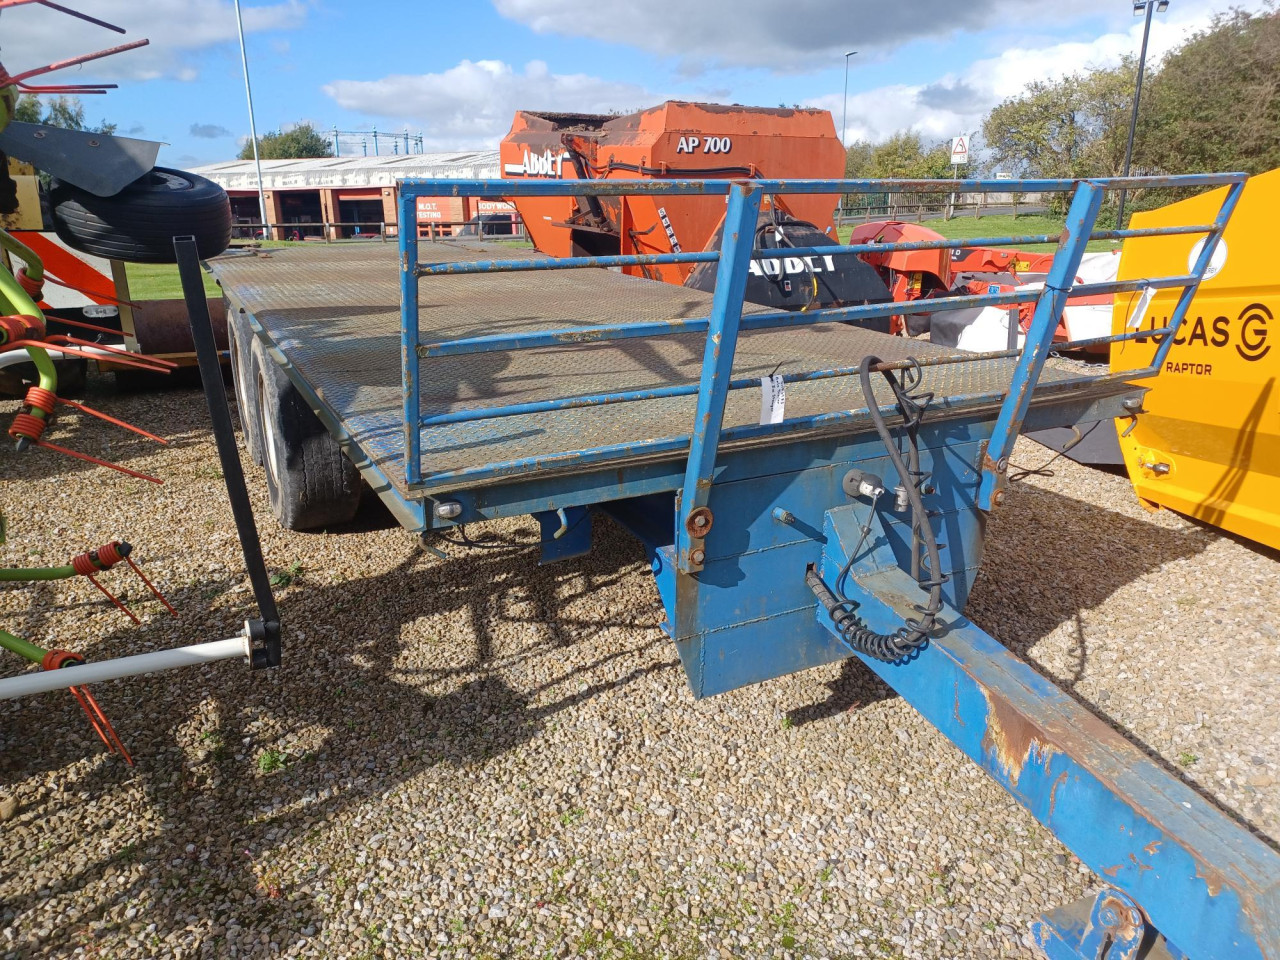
[673, 140]
[677, 140]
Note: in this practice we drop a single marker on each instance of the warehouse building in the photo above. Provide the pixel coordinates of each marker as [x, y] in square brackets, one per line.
[343, 197]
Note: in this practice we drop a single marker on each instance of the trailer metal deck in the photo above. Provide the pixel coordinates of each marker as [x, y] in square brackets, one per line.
[334, 311]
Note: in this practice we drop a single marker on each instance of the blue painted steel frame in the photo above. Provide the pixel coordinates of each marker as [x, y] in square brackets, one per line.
[1057, 288]
[1202, 264]
[628, 188]
[409, 367]
[760, 321]
[717, 366]
[1044, 323]
[1205, 881]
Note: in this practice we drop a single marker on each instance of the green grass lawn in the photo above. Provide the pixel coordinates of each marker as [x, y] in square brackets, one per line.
[159, 281]
[1004, 225]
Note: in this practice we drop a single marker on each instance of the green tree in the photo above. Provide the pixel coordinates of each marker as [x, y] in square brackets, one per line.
[1214, 103]
[66, 112]
[1072, 127]
[857, 160]
[302, 140]
[905, 154]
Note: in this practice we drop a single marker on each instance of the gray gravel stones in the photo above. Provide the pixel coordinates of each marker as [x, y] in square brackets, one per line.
[485, 758]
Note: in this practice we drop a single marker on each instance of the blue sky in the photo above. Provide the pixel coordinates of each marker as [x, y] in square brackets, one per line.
[456, 71]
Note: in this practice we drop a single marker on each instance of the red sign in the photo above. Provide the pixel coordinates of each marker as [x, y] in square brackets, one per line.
[440, 210]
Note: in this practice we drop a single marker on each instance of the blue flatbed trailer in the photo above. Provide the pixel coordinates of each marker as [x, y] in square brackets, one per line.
[470, 381]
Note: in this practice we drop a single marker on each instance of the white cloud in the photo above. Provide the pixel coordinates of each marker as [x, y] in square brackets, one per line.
[958, 102]
[797, 36]
[471, 105]
[35, 35]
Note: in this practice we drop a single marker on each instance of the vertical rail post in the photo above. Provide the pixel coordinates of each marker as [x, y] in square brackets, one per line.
[1202, 264]
[1057, 286]
[409, 335]
[736, 244]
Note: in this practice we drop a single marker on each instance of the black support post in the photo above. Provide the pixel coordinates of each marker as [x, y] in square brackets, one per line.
[264, 632]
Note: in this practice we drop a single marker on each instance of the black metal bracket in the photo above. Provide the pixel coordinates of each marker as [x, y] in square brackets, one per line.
[264, 633]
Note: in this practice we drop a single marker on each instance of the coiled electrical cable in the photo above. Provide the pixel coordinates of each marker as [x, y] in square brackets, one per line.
[915, 631]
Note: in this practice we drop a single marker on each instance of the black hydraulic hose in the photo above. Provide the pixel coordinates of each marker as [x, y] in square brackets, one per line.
[915, 631]
[609, 167]
[781, 238]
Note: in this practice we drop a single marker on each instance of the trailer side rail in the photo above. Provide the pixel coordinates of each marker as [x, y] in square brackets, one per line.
[726, 319]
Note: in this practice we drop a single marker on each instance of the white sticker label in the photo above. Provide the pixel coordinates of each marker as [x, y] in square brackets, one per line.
[1140, 308]
[670, 230]
[773, 399]
[1216, 262]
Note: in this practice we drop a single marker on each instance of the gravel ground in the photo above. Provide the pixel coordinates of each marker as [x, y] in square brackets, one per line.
[484, 758]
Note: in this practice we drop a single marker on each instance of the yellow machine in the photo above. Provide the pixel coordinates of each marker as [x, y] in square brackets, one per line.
[1208, 445]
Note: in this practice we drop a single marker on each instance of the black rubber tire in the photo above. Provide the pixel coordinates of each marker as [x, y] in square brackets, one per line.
[244, 380]
[311, 482]
[138, 224]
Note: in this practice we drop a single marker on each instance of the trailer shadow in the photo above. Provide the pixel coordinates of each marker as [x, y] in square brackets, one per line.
[1082, 555]
[389, 717]
[1049, 557]
[385, 716]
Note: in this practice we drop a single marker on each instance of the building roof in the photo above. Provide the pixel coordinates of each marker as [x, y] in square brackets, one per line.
[381, 171]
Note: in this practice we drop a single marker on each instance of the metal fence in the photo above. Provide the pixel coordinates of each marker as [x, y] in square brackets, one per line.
[330, 231]
[858, 209]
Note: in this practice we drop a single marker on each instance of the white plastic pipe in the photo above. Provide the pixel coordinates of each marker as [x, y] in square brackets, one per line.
[11, 357]
[42, 681]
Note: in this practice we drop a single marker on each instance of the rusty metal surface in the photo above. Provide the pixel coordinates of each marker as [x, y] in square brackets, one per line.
[162, 327]
[334, 310]
[1205, 881]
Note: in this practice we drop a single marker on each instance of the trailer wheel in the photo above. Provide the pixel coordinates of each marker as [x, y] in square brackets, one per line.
[240, 340]
[138, 224]
[311, 482]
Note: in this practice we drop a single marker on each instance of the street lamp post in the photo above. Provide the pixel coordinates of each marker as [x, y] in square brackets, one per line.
[253, 131]
[1140, 8]
[844, 123]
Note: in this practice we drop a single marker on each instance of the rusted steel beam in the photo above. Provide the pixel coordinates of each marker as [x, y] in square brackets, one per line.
[621, 188]
[1205, 881]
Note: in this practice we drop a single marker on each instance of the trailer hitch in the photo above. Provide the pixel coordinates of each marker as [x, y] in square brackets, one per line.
[1111, 928]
